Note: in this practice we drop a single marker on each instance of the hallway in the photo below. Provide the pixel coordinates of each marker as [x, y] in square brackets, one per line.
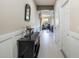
[48, 48]
[21, 22]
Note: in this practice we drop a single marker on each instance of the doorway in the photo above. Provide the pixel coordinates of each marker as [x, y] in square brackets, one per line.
[47, 19]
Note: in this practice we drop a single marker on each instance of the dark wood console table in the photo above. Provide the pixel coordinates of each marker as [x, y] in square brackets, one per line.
[29, 48]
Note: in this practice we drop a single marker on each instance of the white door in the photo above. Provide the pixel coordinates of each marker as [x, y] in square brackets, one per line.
[64, 23]
[57, 28]
[71, 41]
[62, 18]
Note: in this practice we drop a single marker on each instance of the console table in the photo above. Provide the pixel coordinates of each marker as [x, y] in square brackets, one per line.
[29, 47]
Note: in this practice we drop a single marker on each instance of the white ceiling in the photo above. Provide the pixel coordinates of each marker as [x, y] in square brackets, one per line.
[44, 2]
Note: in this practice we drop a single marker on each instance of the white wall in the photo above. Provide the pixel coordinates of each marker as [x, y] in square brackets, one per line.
[70, 39]
[35, 22]
[74, 16]
[52, 20]
[50, 14]
[12, 15]
[71, 45]
[12, 24]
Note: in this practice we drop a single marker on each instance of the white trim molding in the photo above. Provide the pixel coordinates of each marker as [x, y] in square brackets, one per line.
[74, 35]
[8, 44]
[11, 35]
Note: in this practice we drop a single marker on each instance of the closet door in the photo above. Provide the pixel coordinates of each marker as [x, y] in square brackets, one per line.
[64, 23]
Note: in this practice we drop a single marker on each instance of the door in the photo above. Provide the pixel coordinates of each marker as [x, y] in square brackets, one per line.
[64, 23]
[57, 28]
[64, 26]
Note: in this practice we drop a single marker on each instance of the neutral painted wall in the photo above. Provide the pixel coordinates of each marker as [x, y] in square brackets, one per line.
[35, 22]
[71, 44]
[12, 15]
[12, 25]
[74, 16]
[68, 17]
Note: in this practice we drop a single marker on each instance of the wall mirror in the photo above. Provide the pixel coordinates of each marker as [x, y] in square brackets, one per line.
[27, 12]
